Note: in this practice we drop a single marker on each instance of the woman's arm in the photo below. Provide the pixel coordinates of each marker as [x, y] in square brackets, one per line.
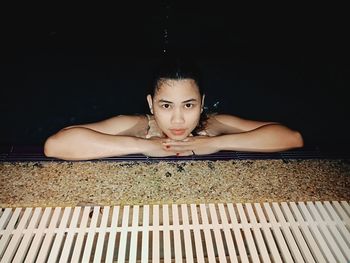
[112, 137]
[266, 138]
[81, 143]
[237, 134]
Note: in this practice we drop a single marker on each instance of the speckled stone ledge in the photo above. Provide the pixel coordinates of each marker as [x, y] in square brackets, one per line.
[31, 184]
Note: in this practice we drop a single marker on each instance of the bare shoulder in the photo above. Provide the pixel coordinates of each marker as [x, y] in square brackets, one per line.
[118, 125]
[227, 124]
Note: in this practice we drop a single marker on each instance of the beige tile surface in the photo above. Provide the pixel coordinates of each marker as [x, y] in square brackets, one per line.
[25, 184]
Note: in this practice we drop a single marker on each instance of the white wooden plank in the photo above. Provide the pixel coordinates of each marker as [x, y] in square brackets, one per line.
[49, 235]
[332, 244]
[16, 237]
[166, 234]
[346, 207]
[237, 233]
[197, 234]
[5, 217]
[343, 211]
[217, 233]
[227, 232]
[315, 231]
[155, 235]
[91, 234]
[309, 238]
[134, 233]
[345, 232]
[268, 235]
[81, 234]
[177, 236]
[112, 235]
[293, 247]
[334, 230]
[5, 239]
[248, 234]
[39, 234]
[294, 226]
[101, 235]
[56, 247]
[145, 234]
[264, 255]
[207, 234]
[187, 236]
[287, 257]
[123, 234]
[28, 236]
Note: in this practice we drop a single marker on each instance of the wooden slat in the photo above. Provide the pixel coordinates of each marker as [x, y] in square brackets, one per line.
[248, 234]
[266, 228]
[5, 217]
[112, 235]
[197, 235]
[294, 226]
[309, 238]
[28, 236]
[330, 223]
[293, 247]
[166, 234]
[228, 237]
[177, 236]
[315, 231]
[5, 239]
[258, 235]
[332, 244]
[187, 234]
[39, 233]
[145, 234]
[101, 235]
[345, 232]
[207, 233]
[49, 236]
[123, 234]
[91, 234]
[16, 238]
[70, 235]
[134, 231]
[217, 233]
[237, 234]
[287, 257]
[155, 235]
[80, 235]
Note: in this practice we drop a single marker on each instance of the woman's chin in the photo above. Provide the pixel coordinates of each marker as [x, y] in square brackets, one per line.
[177, 137]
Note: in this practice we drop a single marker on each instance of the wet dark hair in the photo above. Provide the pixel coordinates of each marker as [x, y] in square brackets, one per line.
[178, 69]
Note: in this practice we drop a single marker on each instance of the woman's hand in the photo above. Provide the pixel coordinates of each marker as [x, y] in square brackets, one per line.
[154, 147]
[198, 144]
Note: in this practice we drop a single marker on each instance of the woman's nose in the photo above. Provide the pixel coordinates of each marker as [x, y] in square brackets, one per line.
[177, 117]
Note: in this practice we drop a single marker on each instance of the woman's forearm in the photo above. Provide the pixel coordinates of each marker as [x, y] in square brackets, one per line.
[268, 138]
[85, 144]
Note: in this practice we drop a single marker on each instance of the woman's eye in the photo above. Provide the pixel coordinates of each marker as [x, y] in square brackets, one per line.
[188, 105]
[166, 106]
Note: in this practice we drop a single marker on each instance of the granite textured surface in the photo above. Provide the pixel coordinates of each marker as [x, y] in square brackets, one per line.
[31, 184]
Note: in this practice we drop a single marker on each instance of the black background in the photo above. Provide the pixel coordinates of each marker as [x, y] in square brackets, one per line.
[64, 65]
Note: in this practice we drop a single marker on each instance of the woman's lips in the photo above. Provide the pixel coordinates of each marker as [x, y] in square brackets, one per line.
[178, 131]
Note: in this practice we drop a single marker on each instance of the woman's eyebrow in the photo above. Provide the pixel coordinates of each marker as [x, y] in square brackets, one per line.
[186, 101]
[190, 100]
[164, 101]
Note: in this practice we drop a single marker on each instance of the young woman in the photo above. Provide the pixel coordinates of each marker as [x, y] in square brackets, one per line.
[177, 125]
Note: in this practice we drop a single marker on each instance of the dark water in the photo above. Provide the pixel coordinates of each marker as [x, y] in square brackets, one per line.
[294, 73]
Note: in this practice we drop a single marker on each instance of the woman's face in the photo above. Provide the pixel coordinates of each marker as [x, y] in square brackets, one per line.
[177, 105]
